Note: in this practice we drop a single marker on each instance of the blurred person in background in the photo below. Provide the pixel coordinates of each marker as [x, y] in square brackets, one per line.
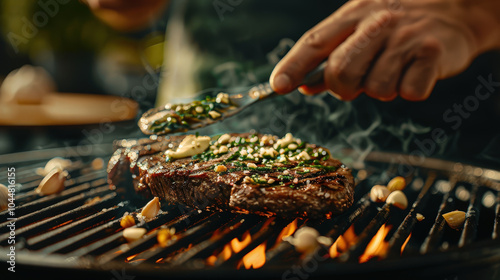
[80, 54]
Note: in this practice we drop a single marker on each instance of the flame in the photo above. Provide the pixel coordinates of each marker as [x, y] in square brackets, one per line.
[129, 258]
[377, 246]
[334, 252]
[224, 255]
[234, 246]
[255, 258]
[238, 245]
[287, 231]
[404, 244]
[343, 242]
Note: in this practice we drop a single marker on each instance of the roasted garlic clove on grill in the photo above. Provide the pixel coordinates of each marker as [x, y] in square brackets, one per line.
[455, 219]
[307, 239]
[420, 217]
[53, 182]
[151, 209]
[379, 193]
[54, 163]
[397, 184]
[164, 235]
[127, 221]
[133, 234]
[398, 199]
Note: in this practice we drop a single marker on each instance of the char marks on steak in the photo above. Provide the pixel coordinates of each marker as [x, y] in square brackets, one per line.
[261, 174]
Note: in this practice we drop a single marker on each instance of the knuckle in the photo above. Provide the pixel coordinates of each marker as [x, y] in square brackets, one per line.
[403, 35]
[313, 39]
[358, 5]
[430, 47]
[345, 73]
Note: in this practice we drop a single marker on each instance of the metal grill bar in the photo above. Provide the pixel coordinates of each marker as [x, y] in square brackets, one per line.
[68, 225]
[496, 224]
[47, 201]
[284, 250]
[364, 238]
[61, 219]
[432, 241]
[470, 227]
[269, 230]
[204, 249]
[405, 228]
[184, 238]
[61, 233]
[57, 208]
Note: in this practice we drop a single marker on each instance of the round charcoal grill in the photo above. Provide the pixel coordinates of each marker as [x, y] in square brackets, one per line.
[76, 233]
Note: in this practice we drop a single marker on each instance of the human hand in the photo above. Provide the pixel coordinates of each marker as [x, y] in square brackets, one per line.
[387, 48]
[127, 15]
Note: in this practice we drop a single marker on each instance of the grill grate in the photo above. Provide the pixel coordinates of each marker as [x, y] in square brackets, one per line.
[80, 227]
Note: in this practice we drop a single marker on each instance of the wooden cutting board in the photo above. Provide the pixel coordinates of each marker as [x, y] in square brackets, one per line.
[69, 109]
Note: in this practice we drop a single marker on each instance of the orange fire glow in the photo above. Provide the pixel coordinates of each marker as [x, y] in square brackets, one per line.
[255, 258]
[377, 246]
[287, 231]
[129, 258]
[343, 242]
[238, 245]
[234, 246]
[404, 244]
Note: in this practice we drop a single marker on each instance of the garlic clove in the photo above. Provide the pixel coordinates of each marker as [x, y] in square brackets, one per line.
[4, 196]
[133, 234]
[164, 235]
[97, 164]
[396, 184]
[220, 168]
[323, 240]
[398, 199]
[305, 239]
[151, 209]
[127, 221]
[420, 217]
[224, 139]
[455, 219]
[54, 163]
[379, 193]
[53, 182]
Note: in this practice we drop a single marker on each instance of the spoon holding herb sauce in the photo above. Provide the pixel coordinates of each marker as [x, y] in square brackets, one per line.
[173, 118]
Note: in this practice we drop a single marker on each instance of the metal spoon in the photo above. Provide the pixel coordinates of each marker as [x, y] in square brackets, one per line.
[170, 119]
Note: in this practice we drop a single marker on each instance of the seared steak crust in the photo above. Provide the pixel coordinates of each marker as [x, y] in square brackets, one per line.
[313, 185]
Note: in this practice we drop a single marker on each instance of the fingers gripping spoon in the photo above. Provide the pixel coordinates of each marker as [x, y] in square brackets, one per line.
[173, 118]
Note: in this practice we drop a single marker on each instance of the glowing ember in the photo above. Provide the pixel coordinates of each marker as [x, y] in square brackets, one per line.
[255, 258]
[404, 244]
[377, 246]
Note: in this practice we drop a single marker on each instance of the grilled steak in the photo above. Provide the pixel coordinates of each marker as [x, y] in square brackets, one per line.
[240, 172]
